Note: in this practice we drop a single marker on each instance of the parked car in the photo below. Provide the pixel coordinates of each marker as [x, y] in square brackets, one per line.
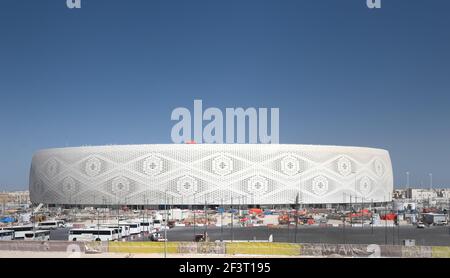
[201, 237]
[157, 237]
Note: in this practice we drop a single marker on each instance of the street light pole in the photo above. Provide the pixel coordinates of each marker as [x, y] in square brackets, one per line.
[232, 219]
[143, 213]
[296, 218]
[239, 205]
[343, 217]
[371, 213]
[165, 225]
[206, 219]
[393, 228]
[356, 193]
[362, 211]
[221, 220]
[117, 212]
[98, 221]
[385, 221]
[193, 208]
[398, 227]
[351, 210]
[146, 209]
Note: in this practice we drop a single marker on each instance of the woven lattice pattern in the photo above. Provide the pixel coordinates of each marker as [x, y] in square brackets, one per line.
[193, 174]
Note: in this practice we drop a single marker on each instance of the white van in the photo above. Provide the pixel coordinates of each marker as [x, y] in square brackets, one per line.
[125, 230]
[157, 224]
[97, 234]
[145, 226]
[135, 228]
[6, 234]
[119, 229]
[19, 231]
[37, 235]
[50, 225]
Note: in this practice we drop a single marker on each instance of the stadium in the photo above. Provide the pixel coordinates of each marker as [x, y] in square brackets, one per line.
[211, 174]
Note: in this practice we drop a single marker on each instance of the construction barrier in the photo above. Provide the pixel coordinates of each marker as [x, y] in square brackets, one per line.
[344, 250]
[416, 252]
[201, 248]
[263, 248]
[143, 247]
[440, 252]
[390, 251]
[232, 248]
[354, 250]
[284, 249]
[43, 246]
[96, 247]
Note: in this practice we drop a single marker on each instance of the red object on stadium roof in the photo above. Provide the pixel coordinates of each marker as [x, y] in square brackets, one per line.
[191, 142]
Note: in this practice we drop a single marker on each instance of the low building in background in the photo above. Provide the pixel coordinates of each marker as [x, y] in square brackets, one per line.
[421, 193]
[15, 198]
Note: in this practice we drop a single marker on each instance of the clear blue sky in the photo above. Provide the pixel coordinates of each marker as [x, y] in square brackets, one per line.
[112, 72]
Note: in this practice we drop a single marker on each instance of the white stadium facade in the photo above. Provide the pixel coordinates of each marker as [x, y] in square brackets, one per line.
[212, 174]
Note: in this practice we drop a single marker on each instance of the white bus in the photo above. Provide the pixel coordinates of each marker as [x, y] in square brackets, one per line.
[97, 234]
[19, 231]
[135, 228]
[50, 225]
[125, 230]
[157, 224]
[145, 226]
[119, 230]
[37, 235]
[6, 234]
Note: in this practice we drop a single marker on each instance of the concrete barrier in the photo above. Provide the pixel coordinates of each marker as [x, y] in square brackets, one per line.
[263, 248]
[343, 250]
[201, 248]
[440, 252]
[42, 246]
[416, 252]
[143, 247]
[233, 248]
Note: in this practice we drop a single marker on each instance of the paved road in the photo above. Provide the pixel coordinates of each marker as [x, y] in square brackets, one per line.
[309, 234]
[355, 235]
